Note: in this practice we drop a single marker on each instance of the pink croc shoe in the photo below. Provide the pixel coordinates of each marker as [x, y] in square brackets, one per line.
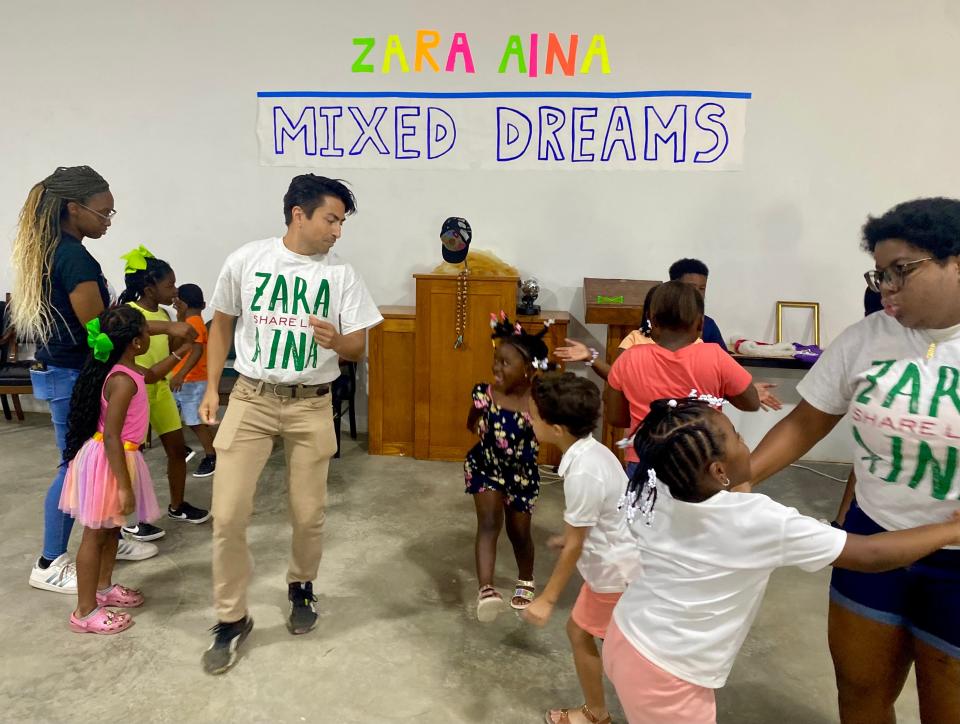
[121, 597]
[101, 621]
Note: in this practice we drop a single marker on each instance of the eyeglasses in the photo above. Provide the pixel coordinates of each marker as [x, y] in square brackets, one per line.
[894, 276]
[109, 215]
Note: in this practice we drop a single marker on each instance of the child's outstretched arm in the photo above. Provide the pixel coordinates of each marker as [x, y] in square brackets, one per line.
[171, 329]
[118, 391]
[574, 351]
[196, 352]
[748, 400]
[162, 368]
[895, 549]
[539, 611]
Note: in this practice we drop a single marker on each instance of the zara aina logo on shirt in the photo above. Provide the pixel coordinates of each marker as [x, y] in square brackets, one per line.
[282, 308]
[906, 419]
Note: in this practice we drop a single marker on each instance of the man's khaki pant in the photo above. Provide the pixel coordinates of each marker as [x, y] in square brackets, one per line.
[244, 441]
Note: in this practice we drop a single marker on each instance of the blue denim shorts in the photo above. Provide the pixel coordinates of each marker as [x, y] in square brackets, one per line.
[188, 400]
[923, 597]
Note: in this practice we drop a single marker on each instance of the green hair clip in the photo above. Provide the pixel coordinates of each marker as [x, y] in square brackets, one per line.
[99, 342]
[136, 259]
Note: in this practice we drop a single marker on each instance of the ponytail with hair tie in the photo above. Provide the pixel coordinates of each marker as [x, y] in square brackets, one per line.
[141, 269]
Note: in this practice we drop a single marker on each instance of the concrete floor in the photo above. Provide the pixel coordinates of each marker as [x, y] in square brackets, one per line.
[397, 640]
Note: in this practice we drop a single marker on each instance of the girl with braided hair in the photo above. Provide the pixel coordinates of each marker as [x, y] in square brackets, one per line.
[150, 283]
[60, 287]
[673, 366]
[706, 554]
[107, 477]
[501, 471]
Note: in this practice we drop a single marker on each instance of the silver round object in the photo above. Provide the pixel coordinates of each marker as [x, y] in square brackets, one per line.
[530, 289]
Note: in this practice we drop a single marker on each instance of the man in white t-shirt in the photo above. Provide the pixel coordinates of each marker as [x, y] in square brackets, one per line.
[298, 311]
[596, 541]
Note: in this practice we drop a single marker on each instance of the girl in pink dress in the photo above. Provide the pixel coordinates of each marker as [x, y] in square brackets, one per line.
[107, 477]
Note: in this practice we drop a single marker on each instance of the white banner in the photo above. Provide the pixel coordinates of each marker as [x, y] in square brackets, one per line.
[684, 130]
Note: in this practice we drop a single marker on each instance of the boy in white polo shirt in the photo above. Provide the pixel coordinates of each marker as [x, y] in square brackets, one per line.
[564, 410]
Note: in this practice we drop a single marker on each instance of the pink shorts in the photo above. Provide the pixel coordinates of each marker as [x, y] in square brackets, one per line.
[593, 611]
[647, 693]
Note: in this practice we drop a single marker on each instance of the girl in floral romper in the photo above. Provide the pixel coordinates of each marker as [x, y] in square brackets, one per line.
[501, 469]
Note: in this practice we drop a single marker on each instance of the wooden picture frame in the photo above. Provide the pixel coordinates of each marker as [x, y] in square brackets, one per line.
[813, 306]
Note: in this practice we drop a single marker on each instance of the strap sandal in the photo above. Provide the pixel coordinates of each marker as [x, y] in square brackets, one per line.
[562, 716]
[489, 604]
[101, 621]
[525, 591]
[121, 597]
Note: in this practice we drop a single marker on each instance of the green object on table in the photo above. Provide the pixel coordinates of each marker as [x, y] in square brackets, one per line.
[609, 300]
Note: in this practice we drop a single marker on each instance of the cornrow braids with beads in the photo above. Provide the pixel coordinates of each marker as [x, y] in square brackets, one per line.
[677, 442]
[122, 325]
[38, 235]
[531, 346]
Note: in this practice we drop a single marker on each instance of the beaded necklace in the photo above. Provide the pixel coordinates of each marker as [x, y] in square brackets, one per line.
[461, 318]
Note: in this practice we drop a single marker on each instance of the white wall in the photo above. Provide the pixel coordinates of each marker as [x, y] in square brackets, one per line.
[854, 109]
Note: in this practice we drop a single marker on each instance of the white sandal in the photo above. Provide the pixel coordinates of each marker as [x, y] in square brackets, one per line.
[489, 604]
[525, 590]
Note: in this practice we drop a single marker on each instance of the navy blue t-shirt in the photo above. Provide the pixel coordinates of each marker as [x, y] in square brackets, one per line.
[711, 332]
[72, 265]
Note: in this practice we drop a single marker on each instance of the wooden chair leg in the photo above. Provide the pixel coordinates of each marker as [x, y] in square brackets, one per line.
[17, 407]
[6, 407]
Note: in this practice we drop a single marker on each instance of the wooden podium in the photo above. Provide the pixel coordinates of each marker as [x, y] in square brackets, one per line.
[420, 383]
[617, 303]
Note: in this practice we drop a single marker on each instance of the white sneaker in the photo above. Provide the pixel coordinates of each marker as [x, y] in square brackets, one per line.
[134, 550]
[59, 577]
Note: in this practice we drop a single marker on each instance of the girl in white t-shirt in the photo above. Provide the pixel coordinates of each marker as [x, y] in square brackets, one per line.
[564, 410]
[706, 556]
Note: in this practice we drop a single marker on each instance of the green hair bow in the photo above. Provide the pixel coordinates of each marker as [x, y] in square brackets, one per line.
[136, 259]
[99, 342]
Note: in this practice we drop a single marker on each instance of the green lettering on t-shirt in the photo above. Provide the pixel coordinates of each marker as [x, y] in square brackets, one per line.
[279, 294]
[871, 455]
[323, 299]
[911, 377]
[896, 464]
[298, 352]
[256, 344]
[300, 295]
[885, 365]
[255, 304]
[272, 364]
[312, 354]
[941, 477]
[945, 388]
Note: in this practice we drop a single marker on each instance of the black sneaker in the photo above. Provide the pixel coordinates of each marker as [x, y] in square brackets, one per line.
[227, 638]
[303, 612]
[189, 454]
[144, 531]
[207, 467]
[188, 514]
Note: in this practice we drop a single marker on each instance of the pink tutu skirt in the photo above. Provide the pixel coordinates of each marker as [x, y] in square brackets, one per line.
[91, 492]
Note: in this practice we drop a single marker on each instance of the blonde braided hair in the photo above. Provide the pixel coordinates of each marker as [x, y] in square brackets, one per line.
[38, 235]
